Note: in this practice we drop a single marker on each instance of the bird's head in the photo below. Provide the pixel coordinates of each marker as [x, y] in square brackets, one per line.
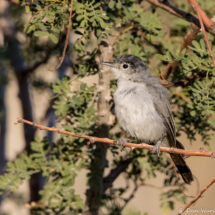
[129, 67]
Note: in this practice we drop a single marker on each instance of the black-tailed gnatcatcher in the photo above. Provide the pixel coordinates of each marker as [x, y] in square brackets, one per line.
[143, 110]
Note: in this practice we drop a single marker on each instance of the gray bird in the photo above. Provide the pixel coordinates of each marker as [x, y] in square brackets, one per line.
[143, 110]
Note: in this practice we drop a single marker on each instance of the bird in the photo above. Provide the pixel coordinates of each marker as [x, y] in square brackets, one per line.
[143, 109]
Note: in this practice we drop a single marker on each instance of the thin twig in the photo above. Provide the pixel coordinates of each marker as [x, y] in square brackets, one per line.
[123, 29]
[136, 186]
[185, 81]
[177, 179]
[67, 39]
[183, 97]
[208, 23]
[197, 181]
[197, 197]
[182, 14]
[194, 30]
[198, 10]
[175, 11]
[34, 14]
[113, 142]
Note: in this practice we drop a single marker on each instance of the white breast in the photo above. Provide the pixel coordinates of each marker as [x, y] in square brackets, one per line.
[136, 113]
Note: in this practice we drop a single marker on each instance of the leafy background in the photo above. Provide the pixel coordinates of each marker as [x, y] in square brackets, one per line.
[71, 95]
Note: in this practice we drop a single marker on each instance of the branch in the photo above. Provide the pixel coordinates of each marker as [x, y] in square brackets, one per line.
[121, 31]
[208, 23]
[201, 14]
[36, 65]
[99, 159]
[182, 14]
[157, 46]
[108, 180]
[197, 197]
[113, 142]
[183, 82]
[175, 11]
[194, 30]
[179, 186]
[67, 38]
[132, 194]
[34, 14]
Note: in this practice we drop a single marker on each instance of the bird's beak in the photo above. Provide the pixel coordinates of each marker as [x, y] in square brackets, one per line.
[111, 64]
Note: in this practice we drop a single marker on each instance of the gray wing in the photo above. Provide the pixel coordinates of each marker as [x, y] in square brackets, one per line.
[162, 105]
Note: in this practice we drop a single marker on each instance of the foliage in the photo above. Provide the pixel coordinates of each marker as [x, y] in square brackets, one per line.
[75, 101]
[202, 92]
[59, 171]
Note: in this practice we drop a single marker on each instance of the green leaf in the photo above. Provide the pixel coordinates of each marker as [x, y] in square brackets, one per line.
[193, 113]
[190, 106]
[41, 33]
[96, 5]
[202, 42]
[162, 57]
[53, 38]
[118, 4]
[196, 44]
[27, 9]
[79, 17]
[111, 4]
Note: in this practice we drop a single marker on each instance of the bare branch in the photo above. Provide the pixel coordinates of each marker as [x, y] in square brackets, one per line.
[184, 15]
[179, 186]
[197, 197]
[67, 38]
[36, 65]
[108, 180]
[175, 11]
[202, 16]
[113, 142]
[136, 186]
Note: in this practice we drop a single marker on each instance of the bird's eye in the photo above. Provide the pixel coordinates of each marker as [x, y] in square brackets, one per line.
[125, 66]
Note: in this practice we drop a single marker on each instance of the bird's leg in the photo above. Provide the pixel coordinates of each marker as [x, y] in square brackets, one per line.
[156, 147]
[122, 142]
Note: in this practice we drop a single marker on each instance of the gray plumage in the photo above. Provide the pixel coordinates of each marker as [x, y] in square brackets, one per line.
[142, 107]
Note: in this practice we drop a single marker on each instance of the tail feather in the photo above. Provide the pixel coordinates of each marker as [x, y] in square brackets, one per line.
[180, 163]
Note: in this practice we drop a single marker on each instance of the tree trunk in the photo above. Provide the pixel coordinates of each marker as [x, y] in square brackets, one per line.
[19, 69]
[99, 162]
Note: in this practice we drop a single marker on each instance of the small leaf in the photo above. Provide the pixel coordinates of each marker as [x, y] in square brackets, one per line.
[202, 42]
[111, 4]
[96, 5]
[27, 9]
[118, 4]
[53, 38]
[79, 17]
[193, 113]
[41, 33]
[190, 106]
[162, 57]
[196, 44]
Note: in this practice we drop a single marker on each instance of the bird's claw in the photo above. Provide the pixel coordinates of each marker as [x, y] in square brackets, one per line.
[122, 142]
[156, 148]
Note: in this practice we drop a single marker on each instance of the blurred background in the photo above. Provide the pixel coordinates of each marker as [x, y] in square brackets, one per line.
[25, 79]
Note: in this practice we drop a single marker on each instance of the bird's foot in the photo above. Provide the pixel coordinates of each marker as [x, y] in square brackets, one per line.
[156, 148]
[122, 142]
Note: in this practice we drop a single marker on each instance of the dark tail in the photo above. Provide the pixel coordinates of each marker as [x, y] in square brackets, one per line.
[180, 163]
